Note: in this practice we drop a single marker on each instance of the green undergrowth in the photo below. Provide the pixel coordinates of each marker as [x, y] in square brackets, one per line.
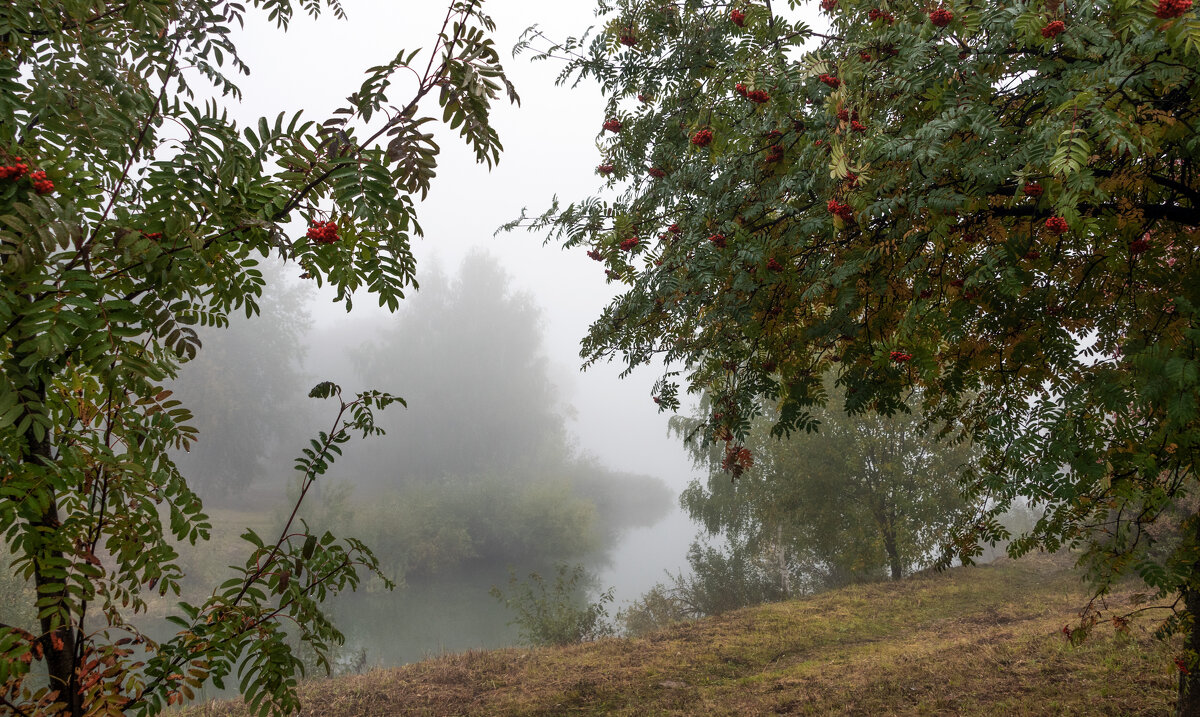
[971, 641]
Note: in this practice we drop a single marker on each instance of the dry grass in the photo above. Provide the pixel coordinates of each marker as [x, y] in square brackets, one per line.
[972, 641]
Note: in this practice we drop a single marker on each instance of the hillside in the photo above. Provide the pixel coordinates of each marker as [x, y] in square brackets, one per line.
[972, 641]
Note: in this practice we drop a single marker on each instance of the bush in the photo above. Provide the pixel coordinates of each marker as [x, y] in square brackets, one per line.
[558, 614]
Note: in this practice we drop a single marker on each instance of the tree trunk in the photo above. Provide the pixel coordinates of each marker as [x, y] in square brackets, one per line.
[785, 582]
[57, 641]
[893, 553]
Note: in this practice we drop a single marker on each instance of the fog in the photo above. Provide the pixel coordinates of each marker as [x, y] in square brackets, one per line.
[483, 474]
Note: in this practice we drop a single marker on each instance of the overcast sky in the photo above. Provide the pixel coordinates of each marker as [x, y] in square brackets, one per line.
[550, 147]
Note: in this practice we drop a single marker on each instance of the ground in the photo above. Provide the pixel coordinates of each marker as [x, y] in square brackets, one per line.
[982, 640]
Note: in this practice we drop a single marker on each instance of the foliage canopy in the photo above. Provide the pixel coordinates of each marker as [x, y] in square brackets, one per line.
[132, 208]
[993, 203]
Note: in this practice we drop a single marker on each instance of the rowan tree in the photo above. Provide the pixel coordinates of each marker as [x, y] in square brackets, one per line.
[994, 203]
[132, 209]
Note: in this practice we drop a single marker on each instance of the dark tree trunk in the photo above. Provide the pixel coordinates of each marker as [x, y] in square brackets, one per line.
[893, 552]
[57, 641]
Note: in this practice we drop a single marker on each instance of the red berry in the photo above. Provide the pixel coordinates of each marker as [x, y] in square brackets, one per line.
[718, 240]
[830, 80]
[877, 14]
[674, 229]
[605, 169]
[1033, 189]
[757, 96]
[1137, 246]
[1168, 9]
[612, 124]
[740, 89]
[843, 115]
[594, 254]
[702, 138]
[864, 56]
[657, 173]
[1033, 254]
[628, 39]
[323, 232]
[900, 356]
[941, 17]
[852, 179]
[629, 244]
[775, 153]
[828, 5]
[1057, 225]
[774, 265]
[858, 126]
[643, 99]
[737, 17]
[1054, 29]
[842, 210]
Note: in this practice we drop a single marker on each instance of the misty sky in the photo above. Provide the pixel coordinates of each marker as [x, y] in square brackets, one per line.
[549, 147]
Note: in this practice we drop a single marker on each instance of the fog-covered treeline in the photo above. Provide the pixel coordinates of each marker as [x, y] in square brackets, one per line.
[476, 476]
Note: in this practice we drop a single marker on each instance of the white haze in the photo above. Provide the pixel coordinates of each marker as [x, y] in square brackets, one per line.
[549, 149]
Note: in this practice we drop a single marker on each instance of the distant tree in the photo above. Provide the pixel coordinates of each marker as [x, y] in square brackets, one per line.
[131, 210]
[865, 496]
[244, 388]
[995, 202]
[468, 352]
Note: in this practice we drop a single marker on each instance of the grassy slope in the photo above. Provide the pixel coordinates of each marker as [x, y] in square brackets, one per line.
[984, 640]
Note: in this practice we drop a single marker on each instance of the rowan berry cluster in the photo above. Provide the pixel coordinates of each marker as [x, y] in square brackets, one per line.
[900, 356]
[1057, 225]
[16, 170]
[774, 153]
[1054, 29]
[629, 244]
[1137, 246]
[41, 184]
[718, 240]
[828, 5]
[852, 180]
[941, 17]
[877, 14]
[737, 17]
[758, 96]
[674, 229]
[1033, 189]
[702, 138]
[830, 80]
[857, 126]
[864, 56]
[628, 39]
[657, 173]
[1033, 254]
[594, 255]
[1168, 9]
[774, 265]
[612, 124]
[323, 232]
[842, 210]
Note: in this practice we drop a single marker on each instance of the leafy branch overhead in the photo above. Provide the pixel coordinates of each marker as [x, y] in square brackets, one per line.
[990, 206]
[131, 213]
